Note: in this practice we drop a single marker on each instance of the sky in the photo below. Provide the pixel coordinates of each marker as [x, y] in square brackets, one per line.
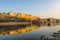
[40, 8]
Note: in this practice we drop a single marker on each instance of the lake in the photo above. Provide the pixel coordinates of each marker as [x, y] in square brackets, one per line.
[32, 32]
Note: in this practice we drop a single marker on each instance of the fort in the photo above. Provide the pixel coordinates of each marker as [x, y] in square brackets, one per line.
[12, 18]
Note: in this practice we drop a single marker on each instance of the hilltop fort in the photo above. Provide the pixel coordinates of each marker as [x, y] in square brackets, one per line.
[12, 18]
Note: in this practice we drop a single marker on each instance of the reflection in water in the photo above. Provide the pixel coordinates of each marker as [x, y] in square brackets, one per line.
[51, 24]
[20, 29]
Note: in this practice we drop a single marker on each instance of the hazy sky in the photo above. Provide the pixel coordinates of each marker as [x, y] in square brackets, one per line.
[41, 8]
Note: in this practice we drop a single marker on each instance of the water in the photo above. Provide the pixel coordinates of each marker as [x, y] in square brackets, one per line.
[33, 33]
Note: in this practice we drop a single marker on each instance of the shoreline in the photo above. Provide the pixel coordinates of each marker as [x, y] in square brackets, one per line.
[13, 23]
